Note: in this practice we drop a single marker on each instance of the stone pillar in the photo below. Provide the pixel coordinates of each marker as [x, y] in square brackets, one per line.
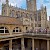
[29, 44]
[32, 43]
[47, 44]
[22, 44]
[10, 45]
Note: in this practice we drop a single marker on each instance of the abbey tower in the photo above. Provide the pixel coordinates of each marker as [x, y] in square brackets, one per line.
[7, 2]
[5, 8]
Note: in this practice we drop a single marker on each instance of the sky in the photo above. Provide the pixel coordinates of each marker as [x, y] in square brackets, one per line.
[22, 4]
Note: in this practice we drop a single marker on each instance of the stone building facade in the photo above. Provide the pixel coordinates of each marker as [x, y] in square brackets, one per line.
[38, 17]
[21, 29]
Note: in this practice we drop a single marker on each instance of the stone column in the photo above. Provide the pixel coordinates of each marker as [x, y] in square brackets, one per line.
[32, 43]
[29, 44]
[22, 44]
[10, 44]
[47, 44]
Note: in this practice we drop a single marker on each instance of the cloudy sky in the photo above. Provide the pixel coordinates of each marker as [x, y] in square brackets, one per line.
[22, 4]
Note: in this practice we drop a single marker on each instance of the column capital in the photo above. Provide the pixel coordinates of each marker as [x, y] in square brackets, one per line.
[32, 38]
[48, 39]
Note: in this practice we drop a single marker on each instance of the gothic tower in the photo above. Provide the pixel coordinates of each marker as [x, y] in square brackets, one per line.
[7, 2]
[31, 5]
[5, 8]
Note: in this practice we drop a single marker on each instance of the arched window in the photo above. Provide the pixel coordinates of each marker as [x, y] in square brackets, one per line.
[17, 29]
[3, 30]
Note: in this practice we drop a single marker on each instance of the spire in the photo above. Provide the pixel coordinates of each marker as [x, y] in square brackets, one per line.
[7, 2]
[7, 7]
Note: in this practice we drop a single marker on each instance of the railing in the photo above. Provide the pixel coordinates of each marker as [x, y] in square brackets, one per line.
[29, 33]
[37, 33]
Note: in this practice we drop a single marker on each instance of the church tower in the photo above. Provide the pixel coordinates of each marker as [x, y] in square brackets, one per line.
[5, 8]
[31, 5]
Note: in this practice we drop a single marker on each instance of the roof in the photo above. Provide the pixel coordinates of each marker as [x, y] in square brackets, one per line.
[9, 20]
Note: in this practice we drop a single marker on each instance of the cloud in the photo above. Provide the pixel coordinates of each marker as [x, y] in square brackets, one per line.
[18, 3]
[0, 12]
[2, 1]
[46, 1]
